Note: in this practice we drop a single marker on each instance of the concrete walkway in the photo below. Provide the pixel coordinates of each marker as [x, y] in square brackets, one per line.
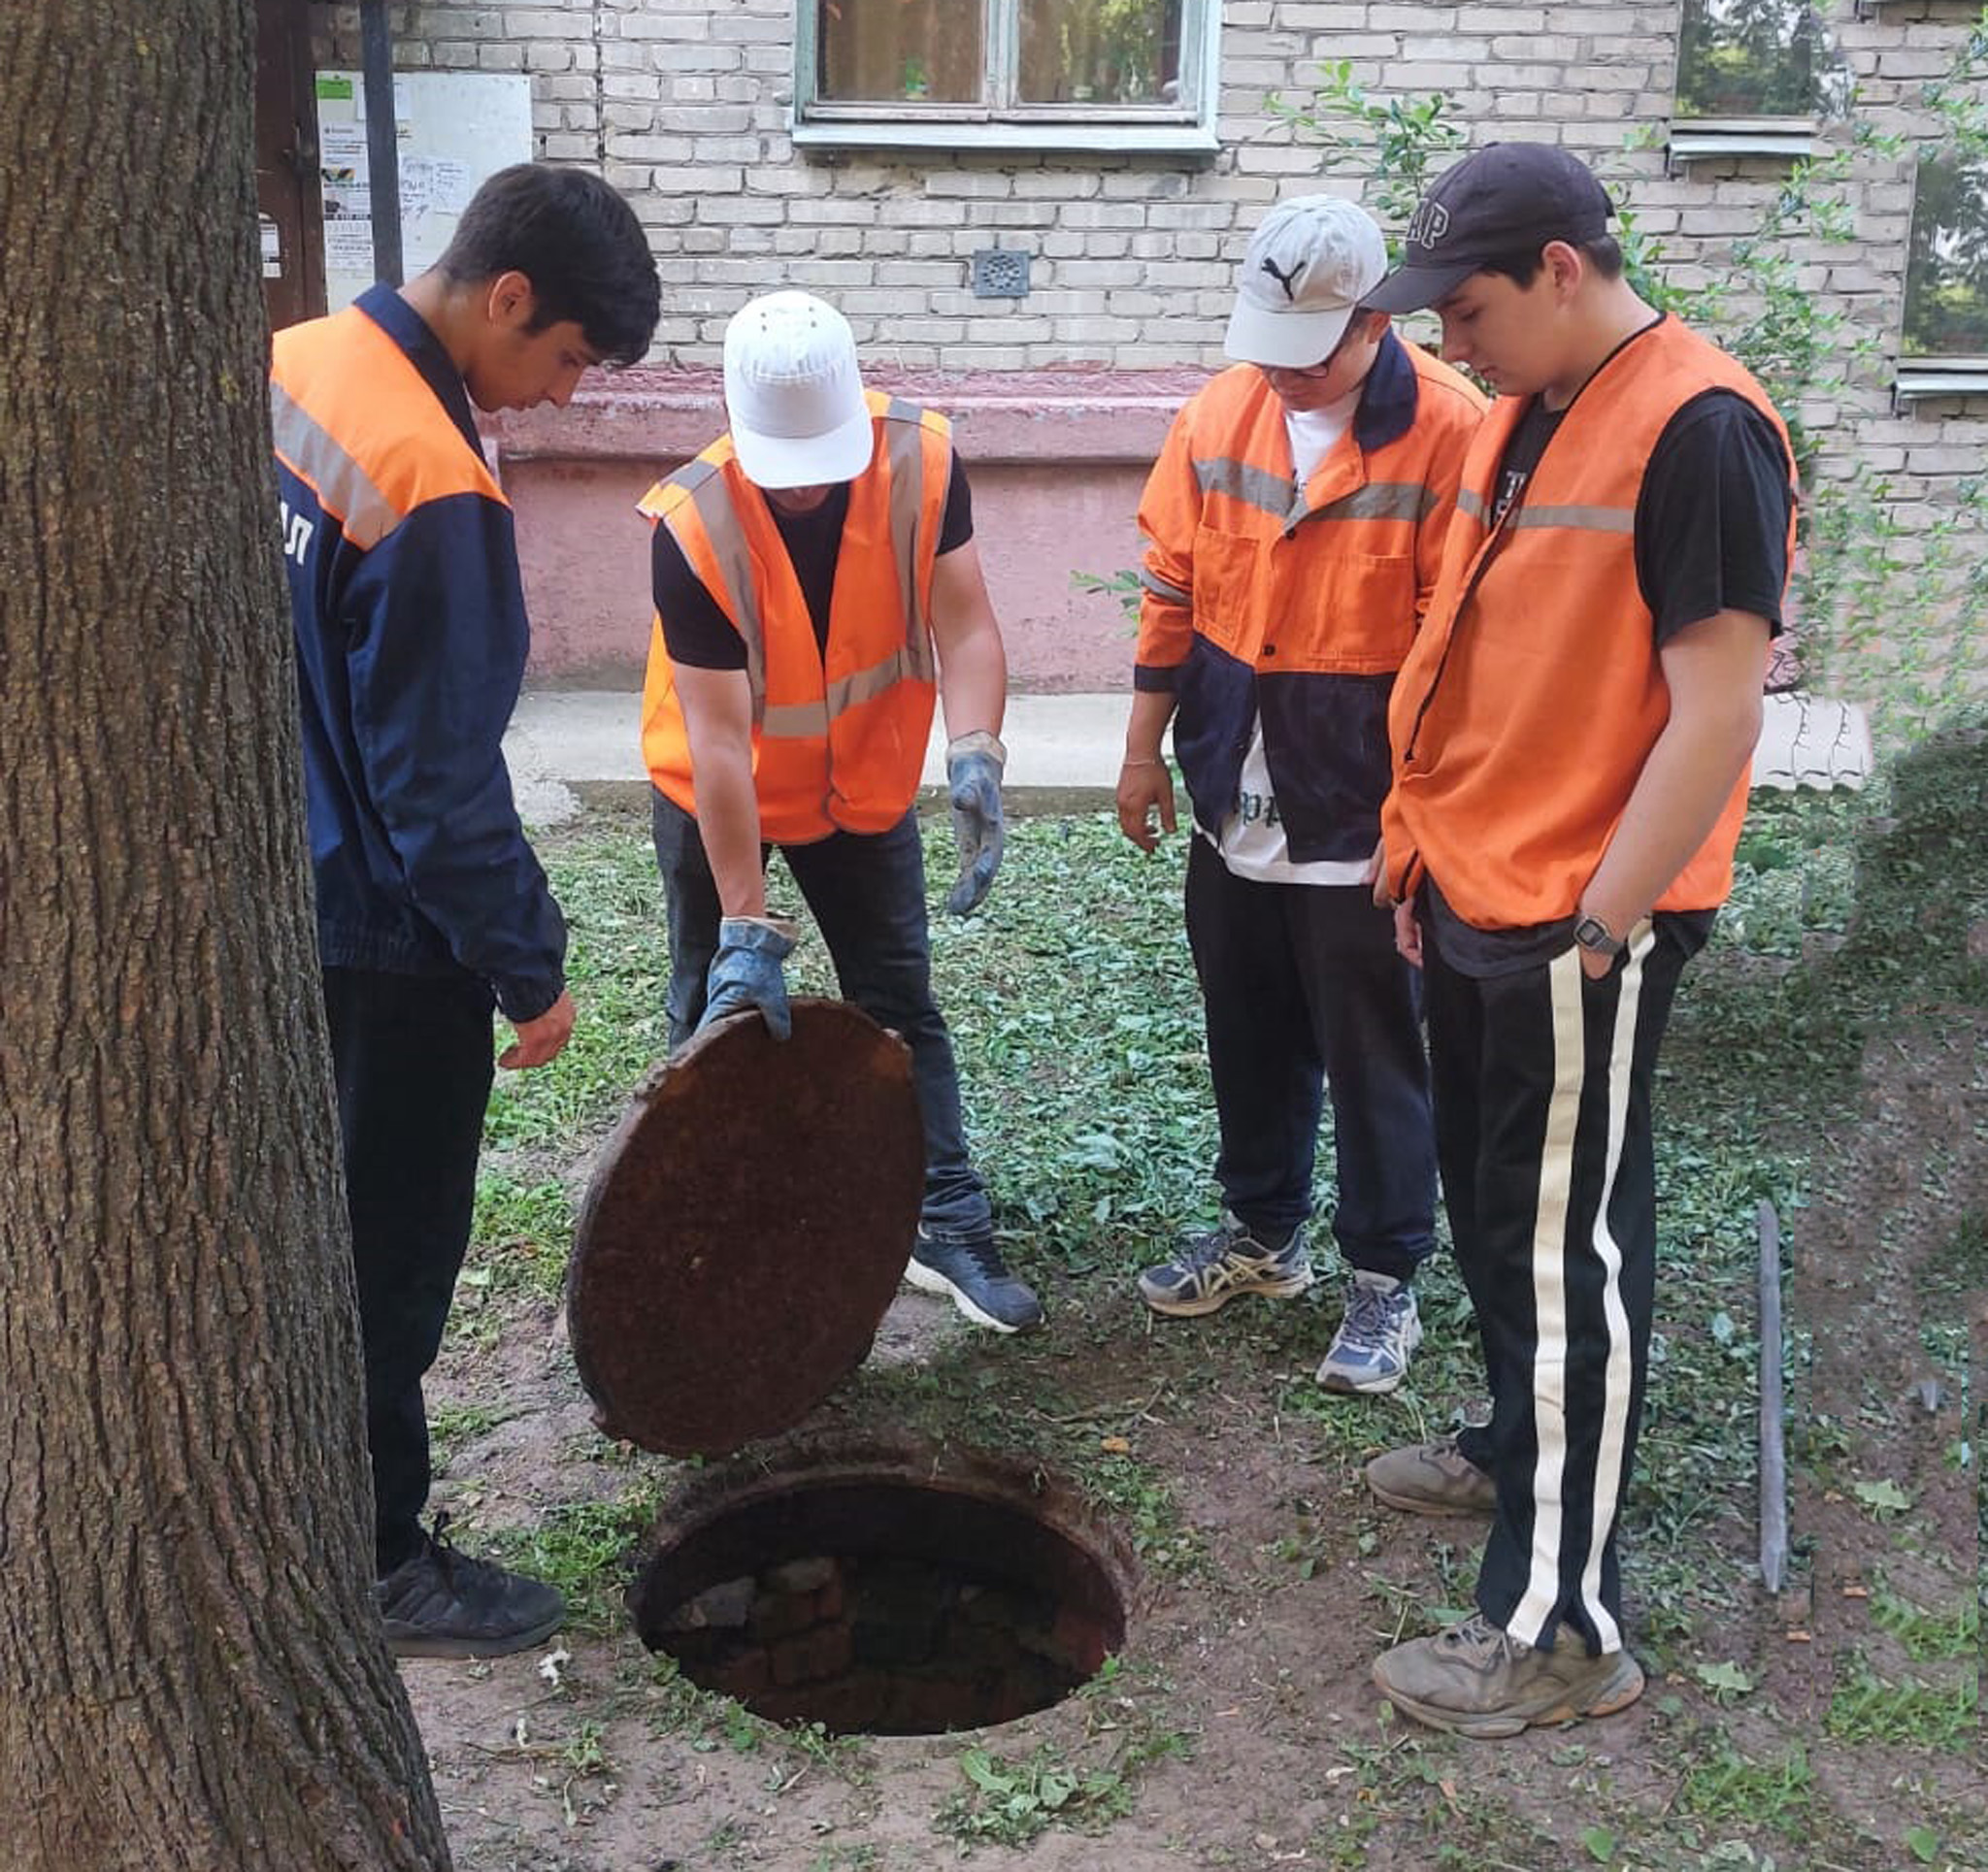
[1063, 752]
[569, 747]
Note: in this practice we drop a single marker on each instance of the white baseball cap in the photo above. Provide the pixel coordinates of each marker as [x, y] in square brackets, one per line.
[1310, 261]
[793, 395]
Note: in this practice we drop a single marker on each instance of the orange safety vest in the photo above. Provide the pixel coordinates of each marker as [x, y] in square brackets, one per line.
[837, 746]
[1523, 717]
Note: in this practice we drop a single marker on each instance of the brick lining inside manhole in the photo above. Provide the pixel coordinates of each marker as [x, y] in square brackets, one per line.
[883, 1605]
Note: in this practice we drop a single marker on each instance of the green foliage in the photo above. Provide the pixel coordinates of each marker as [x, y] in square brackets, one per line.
[1400, 138]
[1959, 97]
[1009, 1804]
[1926, 1634]
[521, 1235]
[1885, 1499]
[1727, 1787]
[1724, 1681]
[1943, 1716]
[1122, 585]
[585, 1549]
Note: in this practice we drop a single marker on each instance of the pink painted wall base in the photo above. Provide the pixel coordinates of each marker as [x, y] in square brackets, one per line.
[1057, 460]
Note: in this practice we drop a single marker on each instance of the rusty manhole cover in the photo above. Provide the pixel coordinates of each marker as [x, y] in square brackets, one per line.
[745, 1230]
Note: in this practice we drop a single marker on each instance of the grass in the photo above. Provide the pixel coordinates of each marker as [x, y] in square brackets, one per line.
[1728, 1788]
[1947, 1716]
[1075, 1015]
[586, 1549]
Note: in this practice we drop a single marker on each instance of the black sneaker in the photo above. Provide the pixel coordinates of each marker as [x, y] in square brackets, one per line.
[970, 1272]
[443, 1604]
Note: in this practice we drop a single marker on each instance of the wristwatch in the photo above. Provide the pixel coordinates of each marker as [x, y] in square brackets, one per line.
[1591, 933]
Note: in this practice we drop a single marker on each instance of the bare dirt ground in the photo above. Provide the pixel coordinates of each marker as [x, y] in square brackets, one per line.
[1243, 1677]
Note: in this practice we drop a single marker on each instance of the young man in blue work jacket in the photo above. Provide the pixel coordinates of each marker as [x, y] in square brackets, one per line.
[1294, 526]
[431, 907]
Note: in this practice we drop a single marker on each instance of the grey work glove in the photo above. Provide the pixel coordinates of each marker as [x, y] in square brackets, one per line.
[973, 773]
[745, 972]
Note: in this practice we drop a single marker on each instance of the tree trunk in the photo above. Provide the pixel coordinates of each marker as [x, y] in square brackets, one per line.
[191, 1672]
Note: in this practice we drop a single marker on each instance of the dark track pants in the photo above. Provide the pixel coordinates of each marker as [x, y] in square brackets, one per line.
[1542, 1123]
[1303, 991]
[412, 1060]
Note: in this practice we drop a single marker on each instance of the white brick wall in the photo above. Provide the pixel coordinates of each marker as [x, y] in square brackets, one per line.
[683, 105]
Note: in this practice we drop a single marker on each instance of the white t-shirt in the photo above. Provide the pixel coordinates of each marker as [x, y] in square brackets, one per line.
[1252, 842]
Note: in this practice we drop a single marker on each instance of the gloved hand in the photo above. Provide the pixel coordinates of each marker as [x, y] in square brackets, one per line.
[973, 772]
[745, 972]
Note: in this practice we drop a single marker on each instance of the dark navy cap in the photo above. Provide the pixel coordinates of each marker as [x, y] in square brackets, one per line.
[1505, 199]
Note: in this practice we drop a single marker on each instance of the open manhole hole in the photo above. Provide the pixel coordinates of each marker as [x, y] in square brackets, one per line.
[886, 1600]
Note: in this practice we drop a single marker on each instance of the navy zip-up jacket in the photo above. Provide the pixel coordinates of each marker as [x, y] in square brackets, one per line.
[411, 650]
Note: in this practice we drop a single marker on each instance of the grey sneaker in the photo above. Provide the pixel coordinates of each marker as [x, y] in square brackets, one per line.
[443, 1604]
[1226, 1261]
[1375, 1340]
[1432, 1479]
[970, 1273]
[1477, 1681]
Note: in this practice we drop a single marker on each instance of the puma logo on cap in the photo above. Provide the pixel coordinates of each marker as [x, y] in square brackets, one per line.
[1287, 280]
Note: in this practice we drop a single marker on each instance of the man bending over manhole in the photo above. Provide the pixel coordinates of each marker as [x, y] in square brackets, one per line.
[816, 591]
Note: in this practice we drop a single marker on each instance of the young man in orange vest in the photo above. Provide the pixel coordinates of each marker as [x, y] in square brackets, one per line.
[816, 590]
[1295, 523]
[1571, 736]
[432, 908]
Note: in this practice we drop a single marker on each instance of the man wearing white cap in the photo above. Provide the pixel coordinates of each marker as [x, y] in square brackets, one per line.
[1294, 526]
[818, 591]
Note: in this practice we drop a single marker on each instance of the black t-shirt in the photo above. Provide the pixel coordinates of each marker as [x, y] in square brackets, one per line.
[695, 628]
[1712, 535]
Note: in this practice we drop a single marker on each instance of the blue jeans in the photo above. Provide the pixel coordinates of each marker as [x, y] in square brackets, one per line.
[867, 892]
[1303, 992]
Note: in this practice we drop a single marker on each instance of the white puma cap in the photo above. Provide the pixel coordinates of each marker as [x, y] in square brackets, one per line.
[1310, 261]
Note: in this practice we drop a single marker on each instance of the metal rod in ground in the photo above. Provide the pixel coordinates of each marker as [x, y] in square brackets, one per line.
[1774, 1462]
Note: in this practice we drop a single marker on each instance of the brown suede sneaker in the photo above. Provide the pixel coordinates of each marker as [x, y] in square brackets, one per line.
[1432, 1479]
[1475, 1681]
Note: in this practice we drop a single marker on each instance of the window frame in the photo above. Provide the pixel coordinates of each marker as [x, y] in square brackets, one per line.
[1115, 129]
[1699, 138]
[1932, 373]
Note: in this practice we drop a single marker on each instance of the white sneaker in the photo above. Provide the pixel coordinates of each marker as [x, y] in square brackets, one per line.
[1371, 1351]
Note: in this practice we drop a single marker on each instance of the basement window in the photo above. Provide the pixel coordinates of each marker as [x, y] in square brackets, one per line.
[1944, 347]
[1755, 78]
[1111, 76]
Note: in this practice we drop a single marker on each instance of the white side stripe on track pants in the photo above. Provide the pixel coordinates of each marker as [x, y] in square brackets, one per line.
[1565, 984]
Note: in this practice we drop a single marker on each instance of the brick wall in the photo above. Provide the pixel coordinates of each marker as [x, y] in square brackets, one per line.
[683, 105]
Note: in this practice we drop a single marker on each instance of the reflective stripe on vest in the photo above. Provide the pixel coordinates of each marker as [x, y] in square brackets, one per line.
[402, 449]
[1284, 498]
[833, 748]
[705, 482]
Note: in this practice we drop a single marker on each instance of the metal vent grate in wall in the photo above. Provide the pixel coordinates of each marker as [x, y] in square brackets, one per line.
[1000, 273]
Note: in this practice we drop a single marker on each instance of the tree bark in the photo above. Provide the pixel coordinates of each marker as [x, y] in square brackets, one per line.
[191, 1670]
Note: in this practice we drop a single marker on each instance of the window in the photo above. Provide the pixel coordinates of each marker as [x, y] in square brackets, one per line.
[1753, 79]
[1114, 75]
[1945, 343]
